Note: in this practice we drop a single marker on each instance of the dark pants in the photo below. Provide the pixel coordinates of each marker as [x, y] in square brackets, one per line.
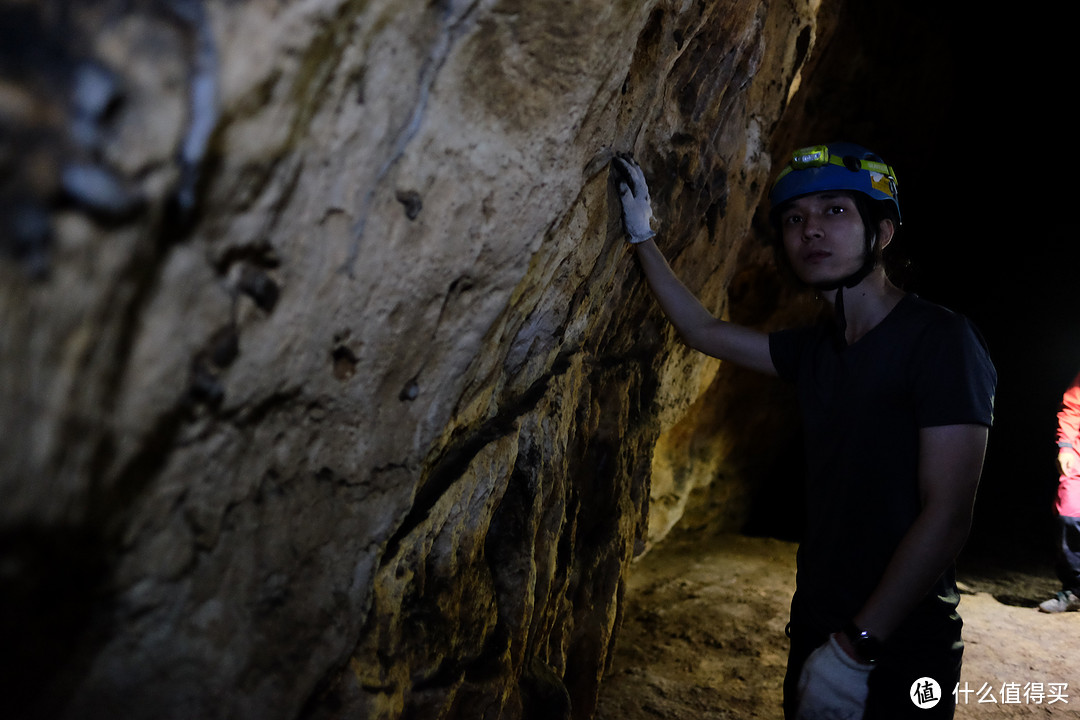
[1068, 559]
[911, 656]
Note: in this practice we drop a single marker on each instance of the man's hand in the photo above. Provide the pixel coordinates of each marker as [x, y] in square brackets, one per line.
[634, 193]
[833, 685]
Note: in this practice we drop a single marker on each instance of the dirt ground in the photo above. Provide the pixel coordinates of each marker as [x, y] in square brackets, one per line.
[703, 637]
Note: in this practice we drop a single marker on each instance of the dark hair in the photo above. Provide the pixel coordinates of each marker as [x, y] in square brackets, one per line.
[873, 212]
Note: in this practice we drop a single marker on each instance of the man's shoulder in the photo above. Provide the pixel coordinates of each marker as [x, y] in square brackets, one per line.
[921, 307]
[921, 314]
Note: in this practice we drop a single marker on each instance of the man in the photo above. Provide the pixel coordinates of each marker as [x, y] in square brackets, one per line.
[1067, 504]
[896, 396]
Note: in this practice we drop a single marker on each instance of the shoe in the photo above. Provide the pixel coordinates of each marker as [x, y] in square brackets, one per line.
[1064, 601]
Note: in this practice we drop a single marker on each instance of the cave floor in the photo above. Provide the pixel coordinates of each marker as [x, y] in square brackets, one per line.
[703, 637]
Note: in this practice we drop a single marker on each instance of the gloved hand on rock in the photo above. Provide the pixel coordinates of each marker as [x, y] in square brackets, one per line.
[634, 193]
[833, 685]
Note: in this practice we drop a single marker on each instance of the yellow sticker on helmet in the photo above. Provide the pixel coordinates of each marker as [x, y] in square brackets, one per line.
[882, 183]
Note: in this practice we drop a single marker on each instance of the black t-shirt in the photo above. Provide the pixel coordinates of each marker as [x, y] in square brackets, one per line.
[862, 408]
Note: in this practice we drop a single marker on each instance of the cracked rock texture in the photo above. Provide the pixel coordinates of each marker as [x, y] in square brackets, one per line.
[329, 386]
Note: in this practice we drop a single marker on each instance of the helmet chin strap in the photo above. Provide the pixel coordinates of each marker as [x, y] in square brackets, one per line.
[849, 281]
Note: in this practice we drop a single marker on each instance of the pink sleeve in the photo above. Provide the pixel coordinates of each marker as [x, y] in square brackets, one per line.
[1068, 434]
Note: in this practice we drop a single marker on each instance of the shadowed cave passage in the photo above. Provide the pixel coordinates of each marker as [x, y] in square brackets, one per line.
[703, 634]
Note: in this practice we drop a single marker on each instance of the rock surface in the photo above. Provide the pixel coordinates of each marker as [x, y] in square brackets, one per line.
[329, 387]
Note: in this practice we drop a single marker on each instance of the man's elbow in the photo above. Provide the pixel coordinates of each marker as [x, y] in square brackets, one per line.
[695, 340]
[956, 526]
[696, 336]
[961, 531]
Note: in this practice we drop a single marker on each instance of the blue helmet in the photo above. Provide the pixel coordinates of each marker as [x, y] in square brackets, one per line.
[836, 166]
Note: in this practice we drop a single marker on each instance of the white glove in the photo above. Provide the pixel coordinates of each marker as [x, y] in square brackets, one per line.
[833, 685]
[634, 193]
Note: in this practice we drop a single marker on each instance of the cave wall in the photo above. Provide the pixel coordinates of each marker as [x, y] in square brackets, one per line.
[329, 386]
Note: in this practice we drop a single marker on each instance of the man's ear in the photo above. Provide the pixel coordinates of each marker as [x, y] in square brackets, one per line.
[886, 230]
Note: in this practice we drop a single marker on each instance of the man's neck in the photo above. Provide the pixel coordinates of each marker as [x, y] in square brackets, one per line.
[866, 304]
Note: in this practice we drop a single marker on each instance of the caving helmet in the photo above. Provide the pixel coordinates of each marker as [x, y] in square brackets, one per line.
[836, 166]
[849, 167]
[841, 166]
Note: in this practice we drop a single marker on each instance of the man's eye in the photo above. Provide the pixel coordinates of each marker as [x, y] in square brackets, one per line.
[793, 219]
[838, 209]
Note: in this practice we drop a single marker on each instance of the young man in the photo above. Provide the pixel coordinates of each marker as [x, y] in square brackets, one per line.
[896, 396]
[1067, 504]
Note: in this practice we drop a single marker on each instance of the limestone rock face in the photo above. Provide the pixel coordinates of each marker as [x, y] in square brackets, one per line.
[329, 386]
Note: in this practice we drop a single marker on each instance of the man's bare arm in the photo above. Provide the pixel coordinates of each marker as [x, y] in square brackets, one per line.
[699, 328]
[950, 464]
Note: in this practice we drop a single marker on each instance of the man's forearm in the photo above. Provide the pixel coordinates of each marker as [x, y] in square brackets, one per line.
[926, 551]
[680, 305]
[950, 463]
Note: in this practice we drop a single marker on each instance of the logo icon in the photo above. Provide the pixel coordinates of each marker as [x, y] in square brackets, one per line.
[925, 693]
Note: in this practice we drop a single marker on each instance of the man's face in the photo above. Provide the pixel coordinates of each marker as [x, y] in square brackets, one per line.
[824, 237]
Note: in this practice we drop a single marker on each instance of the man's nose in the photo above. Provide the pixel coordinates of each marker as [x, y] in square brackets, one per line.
[812, 228]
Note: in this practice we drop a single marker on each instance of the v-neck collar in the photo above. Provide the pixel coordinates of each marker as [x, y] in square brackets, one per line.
[841, 343]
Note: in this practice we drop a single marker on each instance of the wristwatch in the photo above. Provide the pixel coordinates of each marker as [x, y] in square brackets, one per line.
[867, 647]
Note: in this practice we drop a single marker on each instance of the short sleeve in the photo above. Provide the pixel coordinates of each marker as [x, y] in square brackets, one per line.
[785, 349]
[954, 378]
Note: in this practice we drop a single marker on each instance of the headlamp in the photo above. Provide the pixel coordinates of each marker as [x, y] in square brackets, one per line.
[839, 166]
[817, 156]
[814, 156]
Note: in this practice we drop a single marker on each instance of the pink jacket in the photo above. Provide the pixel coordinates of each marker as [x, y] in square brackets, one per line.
[1068, 436]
